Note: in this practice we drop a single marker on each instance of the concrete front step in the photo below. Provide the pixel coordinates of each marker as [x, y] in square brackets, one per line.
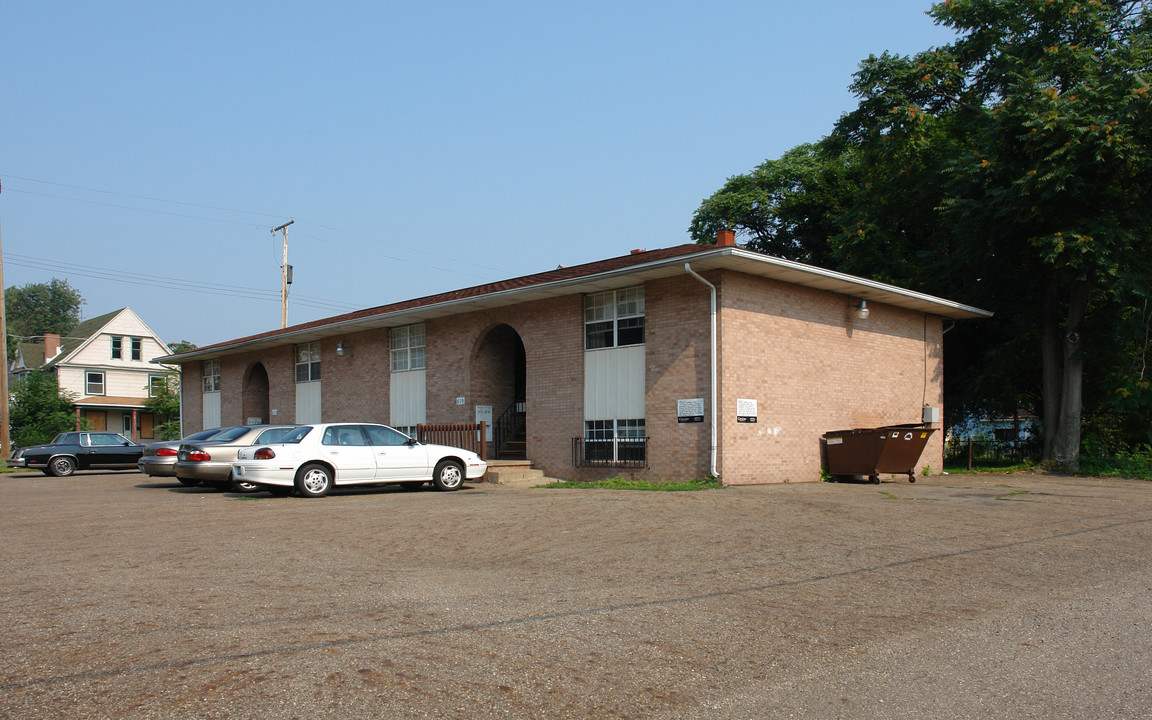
[518, 473]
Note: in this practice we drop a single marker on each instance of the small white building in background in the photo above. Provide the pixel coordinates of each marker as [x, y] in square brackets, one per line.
[105, 363]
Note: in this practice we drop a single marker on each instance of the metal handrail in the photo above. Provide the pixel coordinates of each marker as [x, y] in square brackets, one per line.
[510, 422]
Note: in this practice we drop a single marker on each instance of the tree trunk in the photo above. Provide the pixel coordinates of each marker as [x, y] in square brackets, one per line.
[1052, 367]
[1066, 444]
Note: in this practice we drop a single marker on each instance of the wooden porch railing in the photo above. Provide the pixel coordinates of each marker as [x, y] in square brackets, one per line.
[469, 436]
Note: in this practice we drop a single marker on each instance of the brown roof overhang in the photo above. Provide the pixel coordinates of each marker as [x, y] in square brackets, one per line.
[613, 273]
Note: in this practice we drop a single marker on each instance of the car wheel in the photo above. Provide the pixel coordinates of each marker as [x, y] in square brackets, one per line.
[314, 480]
[411, 485]
[62, 466]
[189, 482]
[449, 475]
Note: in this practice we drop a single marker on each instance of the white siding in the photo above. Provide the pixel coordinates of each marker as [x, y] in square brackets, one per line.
[308, 402]
[407, 398]
[128, 384]
[614, 383]
[211, 410]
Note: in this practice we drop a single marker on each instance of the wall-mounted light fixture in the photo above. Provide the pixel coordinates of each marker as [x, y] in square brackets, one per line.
[861, 309]
[342, 349]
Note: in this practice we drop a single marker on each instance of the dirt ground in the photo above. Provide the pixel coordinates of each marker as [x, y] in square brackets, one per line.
[1018, 596]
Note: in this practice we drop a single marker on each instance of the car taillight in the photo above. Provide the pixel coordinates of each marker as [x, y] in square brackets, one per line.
[264, 454]
[198, 456]
[166, 452]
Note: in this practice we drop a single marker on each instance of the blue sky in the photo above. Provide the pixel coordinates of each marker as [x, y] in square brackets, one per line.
[147, 149]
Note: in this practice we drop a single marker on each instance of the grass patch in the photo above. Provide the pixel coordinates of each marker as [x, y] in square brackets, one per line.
[1133, 464]
[618, 483]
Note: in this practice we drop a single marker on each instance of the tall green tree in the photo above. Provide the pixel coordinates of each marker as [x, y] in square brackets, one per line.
[1047, 174]
[787, 207]
[164, 403]
[39, 410]
[37, 308]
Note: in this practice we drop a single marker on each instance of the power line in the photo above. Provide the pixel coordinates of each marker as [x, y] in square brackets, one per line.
[136, 197]
[472, 265]
[171, 283]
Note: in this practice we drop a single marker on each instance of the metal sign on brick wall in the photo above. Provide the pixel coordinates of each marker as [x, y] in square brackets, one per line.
[690, 411]
[746, 410]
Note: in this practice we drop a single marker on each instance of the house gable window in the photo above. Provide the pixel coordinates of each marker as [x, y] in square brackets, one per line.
[614, 318]
[408, 348]
[93, 383]
[137, 348]
[210, 371]
[117, 347]
[308, 362]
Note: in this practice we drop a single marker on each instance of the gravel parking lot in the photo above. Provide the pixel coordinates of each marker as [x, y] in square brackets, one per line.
[1021, 596]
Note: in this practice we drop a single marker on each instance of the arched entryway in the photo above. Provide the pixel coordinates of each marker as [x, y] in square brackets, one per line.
[499, 382]
[256, 404]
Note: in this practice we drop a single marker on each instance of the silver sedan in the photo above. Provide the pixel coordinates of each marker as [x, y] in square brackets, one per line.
[159, 458]
[210, 462]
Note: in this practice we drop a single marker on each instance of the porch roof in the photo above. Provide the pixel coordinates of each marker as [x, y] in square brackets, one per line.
[610, 274]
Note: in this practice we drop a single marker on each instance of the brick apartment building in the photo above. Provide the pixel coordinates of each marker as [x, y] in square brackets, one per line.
[610, 368]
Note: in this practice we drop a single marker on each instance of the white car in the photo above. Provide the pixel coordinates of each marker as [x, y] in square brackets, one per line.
[313, 458]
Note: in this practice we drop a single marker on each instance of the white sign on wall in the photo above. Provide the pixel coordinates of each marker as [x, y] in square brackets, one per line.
[746, 410]
[690, 411]
[484, 415]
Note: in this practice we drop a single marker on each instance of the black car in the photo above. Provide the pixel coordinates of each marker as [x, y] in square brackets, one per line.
[72, 451]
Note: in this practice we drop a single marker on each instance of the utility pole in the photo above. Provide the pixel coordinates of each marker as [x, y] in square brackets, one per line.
[5, 436]
[285, 274]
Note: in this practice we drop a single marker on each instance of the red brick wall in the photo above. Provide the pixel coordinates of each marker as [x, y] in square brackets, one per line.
[677, 345]
[813, 367]
[810, 364]
[553, 336]
[192, 399]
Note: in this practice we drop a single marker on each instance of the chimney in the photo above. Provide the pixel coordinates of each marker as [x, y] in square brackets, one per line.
[51, 345]
[725, 238]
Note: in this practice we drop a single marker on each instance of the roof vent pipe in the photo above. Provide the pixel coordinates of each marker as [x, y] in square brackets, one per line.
[712, 358]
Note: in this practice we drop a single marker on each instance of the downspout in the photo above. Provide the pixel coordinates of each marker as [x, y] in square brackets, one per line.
[712, 356]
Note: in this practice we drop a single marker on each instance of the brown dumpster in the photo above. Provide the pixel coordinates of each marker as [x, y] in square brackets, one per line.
[867, 452]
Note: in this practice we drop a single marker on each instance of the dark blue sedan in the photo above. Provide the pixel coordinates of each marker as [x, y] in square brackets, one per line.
[72, 451]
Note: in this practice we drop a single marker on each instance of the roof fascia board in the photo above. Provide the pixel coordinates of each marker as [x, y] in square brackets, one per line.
[865, 284]
[716, 257]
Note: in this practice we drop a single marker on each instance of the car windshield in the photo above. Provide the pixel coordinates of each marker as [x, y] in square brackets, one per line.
[294, 435]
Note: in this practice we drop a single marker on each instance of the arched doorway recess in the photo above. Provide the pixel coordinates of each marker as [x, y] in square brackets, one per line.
[255, 399]
[499, 382]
